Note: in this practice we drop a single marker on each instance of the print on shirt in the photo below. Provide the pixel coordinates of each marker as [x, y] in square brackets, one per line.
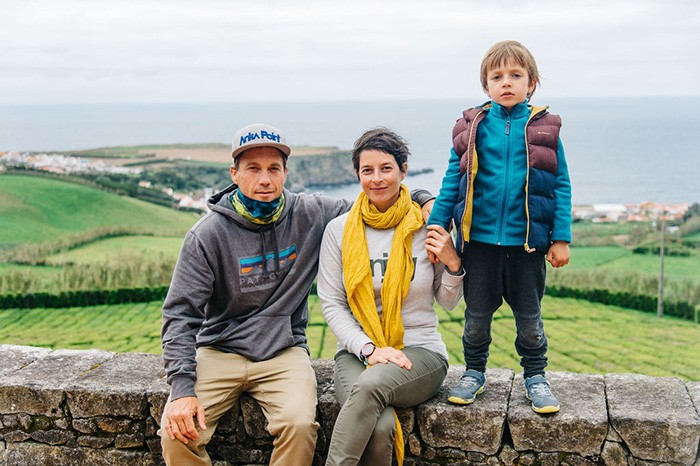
[378, 266]
[258, 273]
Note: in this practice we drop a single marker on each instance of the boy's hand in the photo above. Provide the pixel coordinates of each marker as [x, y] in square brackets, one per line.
[558, 254]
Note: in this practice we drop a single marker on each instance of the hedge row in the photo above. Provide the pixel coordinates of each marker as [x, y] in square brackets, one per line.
[80, 298]
[639, 302]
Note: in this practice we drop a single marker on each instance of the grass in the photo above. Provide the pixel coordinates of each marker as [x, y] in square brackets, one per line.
[57, 209]
[116, 249]
[583, 337]
[621, 260]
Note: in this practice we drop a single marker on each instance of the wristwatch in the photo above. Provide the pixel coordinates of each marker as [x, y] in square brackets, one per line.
[366, 351]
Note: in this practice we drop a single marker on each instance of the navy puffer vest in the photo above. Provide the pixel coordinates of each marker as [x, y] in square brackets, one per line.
[542, 143]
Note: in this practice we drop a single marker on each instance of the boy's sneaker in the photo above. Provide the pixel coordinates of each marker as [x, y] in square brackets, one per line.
[537, 390]
[470, 384]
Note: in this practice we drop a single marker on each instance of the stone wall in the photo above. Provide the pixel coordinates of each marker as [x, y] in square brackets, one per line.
[67, 407]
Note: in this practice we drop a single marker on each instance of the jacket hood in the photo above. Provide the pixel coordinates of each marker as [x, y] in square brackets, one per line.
[220, 203]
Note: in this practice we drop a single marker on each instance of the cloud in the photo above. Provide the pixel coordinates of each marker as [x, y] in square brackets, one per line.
[119, 50]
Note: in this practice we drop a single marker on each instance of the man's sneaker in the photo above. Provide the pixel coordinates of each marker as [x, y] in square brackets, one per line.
[537, 390]
[470, 384]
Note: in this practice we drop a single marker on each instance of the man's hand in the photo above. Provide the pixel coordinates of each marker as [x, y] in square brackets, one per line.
[426, 209]
[179, 418]
[558, 254]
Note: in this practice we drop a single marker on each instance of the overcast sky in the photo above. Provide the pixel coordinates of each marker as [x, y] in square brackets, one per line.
[63, 51]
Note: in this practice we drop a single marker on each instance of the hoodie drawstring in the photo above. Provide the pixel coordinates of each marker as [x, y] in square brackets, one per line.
[275, 249]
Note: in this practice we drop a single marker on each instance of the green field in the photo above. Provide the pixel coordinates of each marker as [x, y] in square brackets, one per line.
[80, 237]
[618, 269]
[621, 260]
[119, 249]
[583, 337]
[35, 209]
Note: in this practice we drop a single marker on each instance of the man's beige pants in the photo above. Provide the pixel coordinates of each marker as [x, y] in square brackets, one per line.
[285, 388]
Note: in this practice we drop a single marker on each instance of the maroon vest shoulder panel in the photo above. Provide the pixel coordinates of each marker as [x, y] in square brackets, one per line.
[464, 136]
[543, 141]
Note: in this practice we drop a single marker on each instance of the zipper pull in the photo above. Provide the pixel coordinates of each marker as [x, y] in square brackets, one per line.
[508, 126]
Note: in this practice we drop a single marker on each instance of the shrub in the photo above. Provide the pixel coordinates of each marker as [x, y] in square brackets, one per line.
[639, 302]
[82, 298]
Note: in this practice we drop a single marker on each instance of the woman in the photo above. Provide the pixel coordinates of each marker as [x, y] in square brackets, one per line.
[377, 288]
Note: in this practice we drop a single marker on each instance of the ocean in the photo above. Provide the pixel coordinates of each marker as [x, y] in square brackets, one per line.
[627, 150]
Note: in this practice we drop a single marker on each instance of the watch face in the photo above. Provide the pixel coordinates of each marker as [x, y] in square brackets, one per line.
[367, 350]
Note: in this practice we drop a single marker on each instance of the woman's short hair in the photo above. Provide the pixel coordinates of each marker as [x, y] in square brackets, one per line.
[384, 140]
[509, 51]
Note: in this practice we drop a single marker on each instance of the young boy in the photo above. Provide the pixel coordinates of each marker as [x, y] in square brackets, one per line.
[507, 188]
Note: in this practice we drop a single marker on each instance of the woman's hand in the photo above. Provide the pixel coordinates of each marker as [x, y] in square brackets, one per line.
[388, 354]
[440, 246]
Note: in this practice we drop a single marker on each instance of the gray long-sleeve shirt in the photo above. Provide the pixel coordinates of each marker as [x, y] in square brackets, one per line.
[430, 282]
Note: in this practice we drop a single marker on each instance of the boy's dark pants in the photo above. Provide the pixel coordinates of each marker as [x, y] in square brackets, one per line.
[494, 273]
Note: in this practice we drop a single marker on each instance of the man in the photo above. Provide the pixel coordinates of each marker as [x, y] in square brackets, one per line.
[235, 317]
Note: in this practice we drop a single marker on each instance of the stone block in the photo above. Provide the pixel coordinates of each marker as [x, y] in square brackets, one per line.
[253, 418]
[84, 426]
[231, 423]
[329, 409]
[477, 427]
[614, 454]
[17, 420]
[129, 441]
[16, 436]
[38, 388]
[115, 388]
[581, 425]
[113, 426]
[407, 419]
[508, 455]
[14, 357]
[654, 416]
[94, 442]
[324, 374]
[694, 391]
[157, 396]
[53, 437]
[23, 454]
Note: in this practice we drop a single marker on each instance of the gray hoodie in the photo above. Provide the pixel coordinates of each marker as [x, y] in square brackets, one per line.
[243, 288]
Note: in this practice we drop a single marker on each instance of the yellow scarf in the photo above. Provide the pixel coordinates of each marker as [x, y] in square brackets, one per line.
[405, 216]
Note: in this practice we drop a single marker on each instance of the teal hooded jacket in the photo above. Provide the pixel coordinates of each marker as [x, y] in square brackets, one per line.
[506, 196]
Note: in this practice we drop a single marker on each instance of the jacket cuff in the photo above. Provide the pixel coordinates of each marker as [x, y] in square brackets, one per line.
[421, 196]
[181, 386]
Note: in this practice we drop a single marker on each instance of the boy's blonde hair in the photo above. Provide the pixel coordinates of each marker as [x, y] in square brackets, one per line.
[509, 51]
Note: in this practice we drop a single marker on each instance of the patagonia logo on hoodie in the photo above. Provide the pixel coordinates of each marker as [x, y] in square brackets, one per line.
[259, 272]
